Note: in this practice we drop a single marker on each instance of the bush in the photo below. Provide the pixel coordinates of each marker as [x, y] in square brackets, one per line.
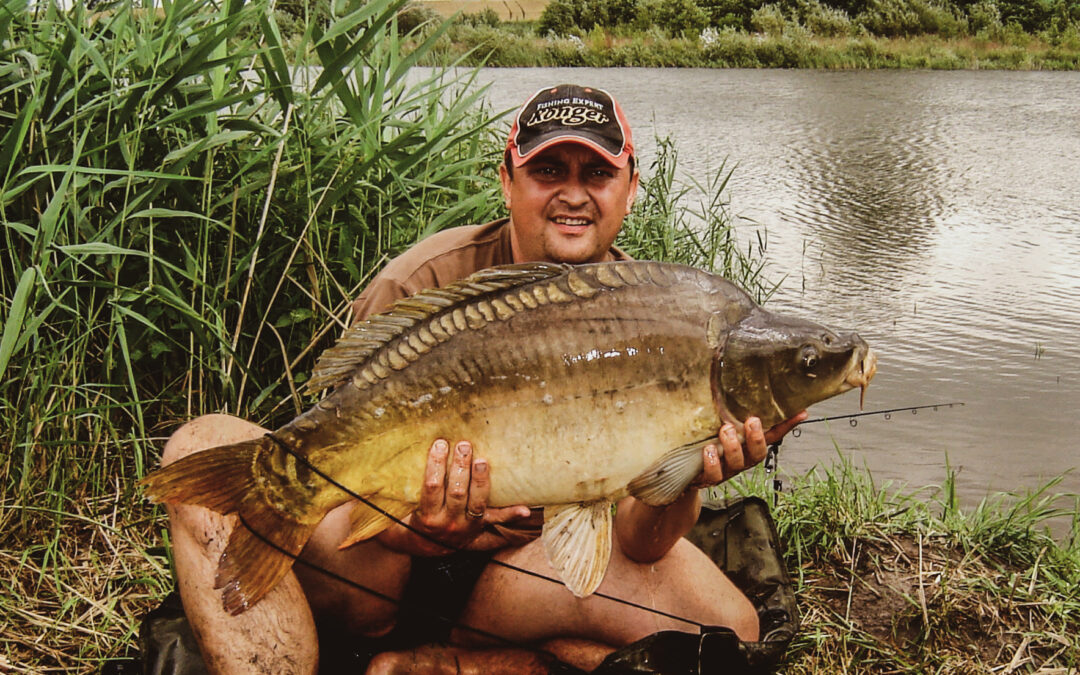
[984, 19]
[902, 18]
[730, 13]
[414, 16]
[768, 20]
[679, 17]
[823, 20]
[611, 13]
[566, 17]
[1030, 15]
[488, 17]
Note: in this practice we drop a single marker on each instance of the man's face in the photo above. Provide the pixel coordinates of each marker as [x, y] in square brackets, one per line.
[566, 204]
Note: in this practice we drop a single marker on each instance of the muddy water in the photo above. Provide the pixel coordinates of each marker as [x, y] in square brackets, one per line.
[938, 213]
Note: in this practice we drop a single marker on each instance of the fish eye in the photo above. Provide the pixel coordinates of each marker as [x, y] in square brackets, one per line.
[809, 358]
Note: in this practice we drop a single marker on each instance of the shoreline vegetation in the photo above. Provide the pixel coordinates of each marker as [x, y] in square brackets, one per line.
[183, 233]
[824, 34]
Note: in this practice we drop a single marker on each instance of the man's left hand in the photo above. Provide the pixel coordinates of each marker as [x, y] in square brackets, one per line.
[731, 457]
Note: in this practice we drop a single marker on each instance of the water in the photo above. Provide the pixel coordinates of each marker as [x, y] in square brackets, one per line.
[938, 213]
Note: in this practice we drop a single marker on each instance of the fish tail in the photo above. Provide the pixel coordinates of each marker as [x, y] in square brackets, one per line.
[264, 542]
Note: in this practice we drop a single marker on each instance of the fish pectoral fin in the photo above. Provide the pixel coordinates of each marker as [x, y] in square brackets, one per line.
[577, 541]
[368, 522]
[667, 478]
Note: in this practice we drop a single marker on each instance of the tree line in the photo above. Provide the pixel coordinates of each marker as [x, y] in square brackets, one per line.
[994, 19]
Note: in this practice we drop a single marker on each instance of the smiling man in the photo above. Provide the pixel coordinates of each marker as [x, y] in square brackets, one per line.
[568, 180]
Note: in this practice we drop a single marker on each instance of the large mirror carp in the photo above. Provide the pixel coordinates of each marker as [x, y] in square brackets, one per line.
[579, 385]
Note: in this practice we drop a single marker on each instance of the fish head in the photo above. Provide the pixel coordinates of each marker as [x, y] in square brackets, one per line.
[772, 367]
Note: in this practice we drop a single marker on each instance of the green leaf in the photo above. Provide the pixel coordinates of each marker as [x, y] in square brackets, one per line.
[293, 316]
[15, 317]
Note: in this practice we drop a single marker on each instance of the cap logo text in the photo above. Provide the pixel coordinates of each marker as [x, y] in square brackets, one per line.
[568, 113]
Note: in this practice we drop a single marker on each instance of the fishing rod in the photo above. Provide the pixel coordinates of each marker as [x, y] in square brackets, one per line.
[771, 457]
[887, 414]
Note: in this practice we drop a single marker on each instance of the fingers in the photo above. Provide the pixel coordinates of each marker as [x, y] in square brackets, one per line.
[733, 456]
[756, 447]
[732, 449]
[458, 479]
[778, 431]
[479, 487]
[453, 500]
[511, 514]
[432, 495]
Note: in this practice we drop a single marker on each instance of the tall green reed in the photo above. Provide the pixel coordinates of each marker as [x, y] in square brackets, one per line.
[188, 206]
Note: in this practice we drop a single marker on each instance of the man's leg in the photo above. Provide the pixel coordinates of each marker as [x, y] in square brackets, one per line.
[685, 583]
[277, 634]
[579, 631]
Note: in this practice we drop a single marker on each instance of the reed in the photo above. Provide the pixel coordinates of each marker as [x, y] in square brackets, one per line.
[188, 204]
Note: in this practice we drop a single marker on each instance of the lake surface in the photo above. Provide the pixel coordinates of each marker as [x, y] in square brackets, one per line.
[937, 213]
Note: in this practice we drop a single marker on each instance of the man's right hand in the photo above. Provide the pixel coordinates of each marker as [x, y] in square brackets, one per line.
[453, 506]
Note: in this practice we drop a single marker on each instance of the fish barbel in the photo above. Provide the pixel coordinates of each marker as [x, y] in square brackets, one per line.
[579, 385]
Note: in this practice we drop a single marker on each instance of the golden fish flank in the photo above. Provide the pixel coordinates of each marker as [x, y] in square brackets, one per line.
[578, 384]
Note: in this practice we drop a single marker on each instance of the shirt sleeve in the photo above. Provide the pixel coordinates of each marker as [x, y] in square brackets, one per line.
[377, 297]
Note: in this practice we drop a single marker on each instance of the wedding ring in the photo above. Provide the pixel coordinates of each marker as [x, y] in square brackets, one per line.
[474, 516]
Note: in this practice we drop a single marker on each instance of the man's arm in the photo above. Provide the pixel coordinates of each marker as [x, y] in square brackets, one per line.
[646, 533]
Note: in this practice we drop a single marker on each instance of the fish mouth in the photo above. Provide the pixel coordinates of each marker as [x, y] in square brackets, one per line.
[860, 374]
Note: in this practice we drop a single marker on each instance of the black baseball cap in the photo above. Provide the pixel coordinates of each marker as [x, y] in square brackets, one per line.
[568, 113]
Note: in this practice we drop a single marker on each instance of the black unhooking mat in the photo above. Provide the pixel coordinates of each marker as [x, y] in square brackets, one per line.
[740, 538]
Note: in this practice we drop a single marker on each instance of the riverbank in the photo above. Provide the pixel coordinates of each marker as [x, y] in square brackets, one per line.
[887, 581]
[506, 46]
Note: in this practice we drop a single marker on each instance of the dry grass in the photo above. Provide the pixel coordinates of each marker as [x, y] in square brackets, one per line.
[73, 600]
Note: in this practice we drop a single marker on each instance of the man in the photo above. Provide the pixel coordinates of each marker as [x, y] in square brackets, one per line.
[568, 181]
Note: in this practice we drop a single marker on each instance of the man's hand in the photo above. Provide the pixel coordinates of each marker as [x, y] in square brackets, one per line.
[734, 457]
[646, 533]
[453, 506]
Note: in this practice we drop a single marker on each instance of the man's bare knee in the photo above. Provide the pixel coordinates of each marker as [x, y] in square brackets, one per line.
[207, 431]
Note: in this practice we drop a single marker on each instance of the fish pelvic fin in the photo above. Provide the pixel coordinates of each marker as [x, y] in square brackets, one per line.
[264, 541]
[577, 541]
[666, 478]
[367, 522]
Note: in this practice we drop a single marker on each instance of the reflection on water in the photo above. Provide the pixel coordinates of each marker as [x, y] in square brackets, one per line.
[934, 212]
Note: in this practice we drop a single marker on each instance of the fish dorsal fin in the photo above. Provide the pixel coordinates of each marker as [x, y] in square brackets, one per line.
[577, 541]
[667, 478]
[365, 339]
